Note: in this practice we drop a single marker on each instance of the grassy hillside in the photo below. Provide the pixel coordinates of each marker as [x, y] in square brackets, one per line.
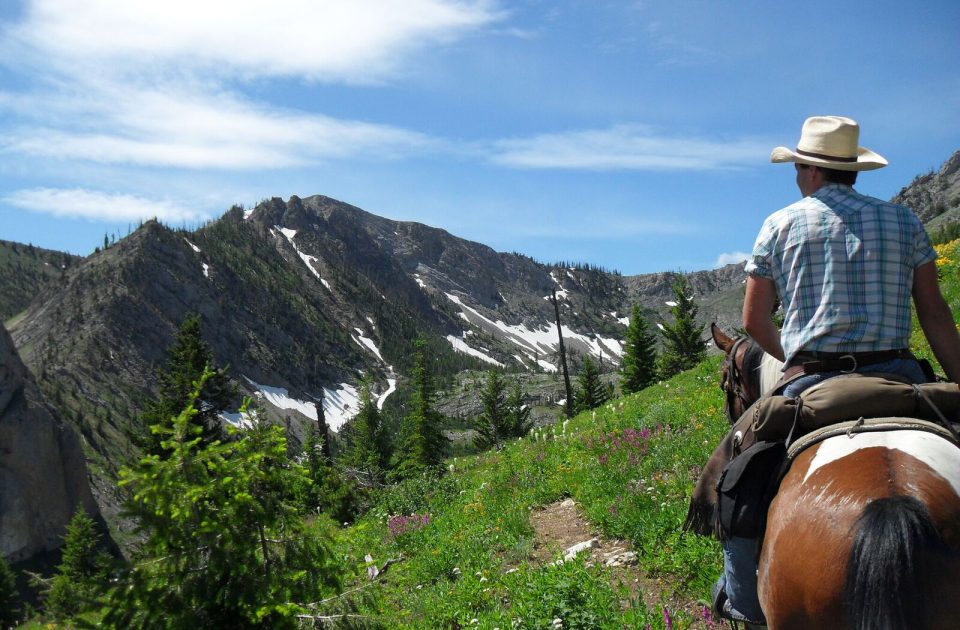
[467, 555]
[948, 268]
[464, 550]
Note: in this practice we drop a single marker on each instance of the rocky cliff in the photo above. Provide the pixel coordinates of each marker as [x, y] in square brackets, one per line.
[43, 477]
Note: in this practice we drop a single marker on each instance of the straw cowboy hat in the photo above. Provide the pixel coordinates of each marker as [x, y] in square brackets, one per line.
[830, 142]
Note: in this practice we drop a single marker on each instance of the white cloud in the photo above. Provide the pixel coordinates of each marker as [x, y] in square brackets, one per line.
[153, 83]
[626, 147]
[354, 41]
[193, 129]
[729, 258]
[94, 205]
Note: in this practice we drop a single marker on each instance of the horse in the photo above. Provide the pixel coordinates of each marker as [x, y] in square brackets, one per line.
[864, 531]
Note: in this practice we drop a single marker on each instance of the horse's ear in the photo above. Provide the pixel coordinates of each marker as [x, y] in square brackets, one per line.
[723, 342]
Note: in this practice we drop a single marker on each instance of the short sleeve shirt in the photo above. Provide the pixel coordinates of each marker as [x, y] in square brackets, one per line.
[843, 267]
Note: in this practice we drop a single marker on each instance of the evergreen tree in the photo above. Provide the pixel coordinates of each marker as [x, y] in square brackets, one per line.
[683, 348]
[591, 392]
[83, 572]
[491, 425]
[518, 413]
[223, 543]
[640, 355]
[328, 492]
[9, 598]
[367, 441]
[189, 357]
[422, 445]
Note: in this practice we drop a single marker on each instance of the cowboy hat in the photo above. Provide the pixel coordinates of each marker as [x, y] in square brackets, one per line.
[830, 142]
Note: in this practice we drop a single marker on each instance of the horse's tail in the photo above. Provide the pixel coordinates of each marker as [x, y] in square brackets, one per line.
[885, 588]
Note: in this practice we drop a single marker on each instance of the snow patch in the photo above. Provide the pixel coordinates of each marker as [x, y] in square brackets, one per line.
[670, 303]
[367, 343]
[192, 246]
[391, 387]
[339, 405]
[461, 346]
[206, 270]
[543, 341]
[307, 259]
[239, 420]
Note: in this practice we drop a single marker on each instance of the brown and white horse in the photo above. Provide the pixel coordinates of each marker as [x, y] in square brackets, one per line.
[864, 531]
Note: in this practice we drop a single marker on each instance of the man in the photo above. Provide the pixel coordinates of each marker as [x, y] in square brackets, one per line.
[844, 266]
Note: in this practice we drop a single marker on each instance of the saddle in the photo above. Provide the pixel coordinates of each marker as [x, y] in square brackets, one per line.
[766, 438]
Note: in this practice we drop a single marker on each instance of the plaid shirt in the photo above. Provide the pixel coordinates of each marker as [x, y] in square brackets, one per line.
[843, 266]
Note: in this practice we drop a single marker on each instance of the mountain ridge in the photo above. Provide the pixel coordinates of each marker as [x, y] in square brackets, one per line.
[303, 299]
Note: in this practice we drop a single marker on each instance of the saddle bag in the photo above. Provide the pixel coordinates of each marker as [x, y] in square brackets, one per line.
[745, 489]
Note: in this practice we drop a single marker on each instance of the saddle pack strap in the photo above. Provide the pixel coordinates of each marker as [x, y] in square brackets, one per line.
[867, 425]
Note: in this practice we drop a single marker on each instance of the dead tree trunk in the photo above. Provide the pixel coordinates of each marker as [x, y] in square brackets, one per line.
[563, 357]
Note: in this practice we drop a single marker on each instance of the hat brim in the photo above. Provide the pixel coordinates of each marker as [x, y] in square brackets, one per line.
[867, 160]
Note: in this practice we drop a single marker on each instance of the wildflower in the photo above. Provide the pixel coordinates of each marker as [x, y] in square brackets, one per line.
[667, 620]
[707, 617]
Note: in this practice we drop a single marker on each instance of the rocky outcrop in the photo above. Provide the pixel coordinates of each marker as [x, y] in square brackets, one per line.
[935, 193]
[43, 476]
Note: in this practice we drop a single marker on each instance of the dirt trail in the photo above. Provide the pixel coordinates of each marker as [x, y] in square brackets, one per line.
[559, 526]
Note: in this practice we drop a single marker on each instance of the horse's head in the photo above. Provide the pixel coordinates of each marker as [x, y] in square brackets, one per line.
[739, 379]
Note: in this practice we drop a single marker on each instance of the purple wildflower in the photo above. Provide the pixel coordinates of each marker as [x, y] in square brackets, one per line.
[667, 620]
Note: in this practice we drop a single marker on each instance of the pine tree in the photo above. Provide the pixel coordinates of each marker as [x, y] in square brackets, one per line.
[422, 444]
[328, 493]
[491, 425]
[367, 442]
[9, 598]
[683, 347]
[224, 543]
[640, 355]
[189, 357]
[518, 413]
[591, 393]
[83, 571]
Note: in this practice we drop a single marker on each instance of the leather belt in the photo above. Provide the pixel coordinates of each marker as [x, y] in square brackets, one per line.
[817, 362]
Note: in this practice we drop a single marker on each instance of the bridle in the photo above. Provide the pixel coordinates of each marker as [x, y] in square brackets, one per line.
[736, 387]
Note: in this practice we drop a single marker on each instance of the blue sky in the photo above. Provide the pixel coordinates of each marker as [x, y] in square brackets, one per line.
[632, 135]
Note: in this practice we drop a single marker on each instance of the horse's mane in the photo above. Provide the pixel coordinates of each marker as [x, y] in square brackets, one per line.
[761, 369]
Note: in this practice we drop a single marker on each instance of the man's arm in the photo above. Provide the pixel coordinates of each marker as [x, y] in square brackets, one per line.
[757, 308]
[936, 319]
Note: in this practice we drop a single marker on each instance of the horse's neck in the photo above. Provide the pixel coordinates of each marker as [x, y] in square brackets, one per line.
[770, 372]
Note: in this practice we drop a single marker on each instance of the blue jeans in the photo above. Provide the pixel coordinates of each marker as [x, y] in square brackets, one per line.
[740, 576]
[740, 554]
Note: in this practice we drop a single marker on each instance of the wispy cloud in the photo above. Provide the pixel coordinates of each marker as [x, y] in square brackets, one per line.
[729, 258]
[193, 129]
[99, 206]
[626, 147]
[356, 41]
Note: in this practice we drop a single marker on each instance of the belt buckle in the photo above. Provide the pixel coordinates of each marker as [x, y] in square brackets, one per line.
[852, 358]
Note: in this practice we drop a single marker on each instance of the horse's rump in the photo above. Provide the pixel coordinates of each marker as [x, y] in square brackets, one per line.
[890, 503]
